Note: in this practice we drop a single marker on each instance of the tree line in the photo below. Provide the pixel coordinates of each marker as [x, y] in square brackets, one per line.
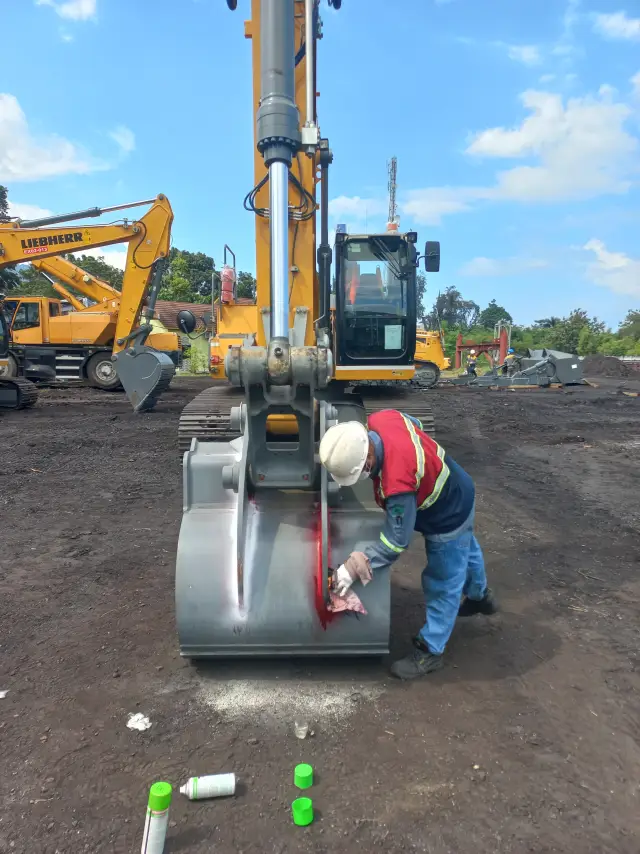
[576, 333]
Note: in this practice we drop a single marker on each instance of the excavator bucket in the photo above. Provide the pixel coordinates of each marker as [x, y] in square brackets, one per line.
[145, 374]
[251, 573]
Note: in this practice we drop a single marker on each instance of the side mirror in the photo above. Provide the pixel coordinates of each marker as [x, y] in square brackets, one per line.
[432, 256]
[186, 321]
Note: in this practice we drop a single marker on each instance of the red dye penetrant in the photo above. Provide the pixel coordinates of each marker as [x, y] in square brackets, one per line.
[324, 614]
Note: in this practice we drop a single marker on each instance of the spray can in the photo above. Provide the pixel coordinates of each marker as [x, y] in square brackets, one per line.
[211, 786]
[155, 826]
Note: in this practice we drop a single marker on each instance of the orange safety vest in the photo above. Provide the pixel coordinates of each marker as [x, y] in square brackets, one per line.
[413, 462]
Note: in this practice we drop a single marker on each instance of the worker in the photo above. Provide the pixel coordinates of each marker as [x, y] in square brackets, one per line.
[471, 364]
[510, 363]
[420, 488]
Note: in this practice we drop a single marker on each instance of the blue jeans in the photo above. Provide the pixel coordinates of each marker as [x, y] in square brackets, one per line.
[455, 565]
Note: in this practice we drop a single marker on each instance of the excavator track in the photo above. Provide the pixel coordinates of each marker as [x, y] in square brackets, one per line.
[207, 417]
[410, 401]
[17, 393]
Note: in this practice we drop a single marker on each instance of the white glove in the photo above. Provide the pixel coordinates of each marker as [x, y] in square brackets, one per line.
[342, 580]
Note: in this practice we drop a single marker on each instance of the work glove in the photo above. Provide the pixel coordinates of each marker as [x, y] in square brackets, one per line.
[355, 567]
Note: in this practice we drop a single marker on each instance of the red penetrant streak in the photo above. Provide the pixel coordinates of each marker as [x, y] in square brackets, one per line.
[324, 614]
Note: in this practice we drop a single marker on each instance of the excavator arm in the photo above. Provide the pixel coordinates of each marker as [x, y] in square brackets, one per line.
[77, 278]
[143, 372]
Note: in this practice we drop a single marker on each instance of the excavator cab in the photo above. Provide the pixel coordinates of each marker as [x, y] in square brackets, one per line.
[375, 291]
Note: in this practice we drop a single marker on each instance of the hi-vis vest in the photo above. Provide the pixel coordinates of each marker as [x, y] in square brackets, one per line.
[413, 462]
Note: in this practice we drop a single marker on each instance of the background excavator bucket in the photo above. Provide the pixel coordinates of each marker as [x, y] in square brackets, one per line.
[145, 373]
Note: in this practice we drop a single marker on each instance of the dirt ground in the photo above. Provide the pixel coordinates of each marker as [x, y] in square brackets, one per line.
[528, 741]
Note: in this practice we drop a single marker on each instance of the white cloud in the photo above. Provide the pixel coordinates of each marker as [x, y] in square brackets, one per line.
[25, 158]
[430, 205]
[613, 270]
[566, 44]
[527, 54]
[492, 267]
[355, 207]
[72, 10]
[547, 78]
[125, 138]
[27, 211]
[635, 82]
[115, 257]
[617, 25]
[65, 36]
[583, 148]
[578, 149]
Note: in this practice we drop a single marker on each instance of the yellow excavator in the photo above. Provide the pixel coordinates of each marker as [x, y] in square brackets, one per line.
[429, 357]
[82, 345]
[262, 522]
[107, 344]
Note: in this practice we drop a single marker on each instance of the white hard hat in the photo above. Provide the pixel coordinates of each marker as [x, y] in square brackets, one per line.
[472, 352]
[343, 451]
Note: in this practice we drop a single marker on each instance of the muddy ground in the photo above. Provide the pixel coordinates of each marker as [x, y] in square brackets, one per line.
[528, 741]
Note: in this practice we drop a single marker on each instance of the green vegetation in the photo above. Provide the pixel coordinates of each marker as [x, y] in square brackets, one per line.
[576, 333]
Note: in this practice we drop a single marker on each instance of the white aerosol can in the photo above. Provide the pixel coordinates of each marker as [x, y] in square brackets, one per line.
[211, 786]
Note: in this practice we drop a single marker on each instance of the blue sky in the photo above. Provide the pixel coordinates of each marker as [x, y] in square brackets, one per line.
[516, 126]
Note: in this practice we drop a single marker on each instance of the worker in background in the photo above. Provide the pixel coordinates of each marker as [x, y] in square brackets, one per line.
[420, 488]
[510, 365]
[471, 364]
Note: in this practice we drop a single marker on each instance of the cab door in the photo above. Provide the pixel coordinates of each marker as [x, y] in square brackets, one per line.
[26, 325]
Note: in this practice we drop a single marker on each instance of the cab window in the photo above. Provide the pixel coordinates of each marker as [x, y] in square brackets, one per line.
[54, 309]
[27, 316]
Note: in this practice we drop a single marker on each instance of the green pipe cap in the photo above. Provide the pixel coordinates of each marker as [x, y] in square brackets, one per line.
[303, 776]
[159, 796]
[302, 809]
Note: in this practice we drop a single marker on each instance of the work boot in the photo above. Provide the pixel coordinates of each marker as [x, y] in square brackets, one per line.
[419, 662]
[487, 605]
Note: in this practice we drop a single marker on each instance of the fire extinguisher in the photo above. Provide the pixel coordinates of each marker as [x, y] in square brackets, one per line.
[228, 284]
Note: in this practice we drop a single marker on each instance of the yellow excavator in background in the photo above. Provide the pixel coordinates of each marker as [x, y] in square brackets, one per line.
[429, 357]
[105, 345]
[82, 346]
[257, 539]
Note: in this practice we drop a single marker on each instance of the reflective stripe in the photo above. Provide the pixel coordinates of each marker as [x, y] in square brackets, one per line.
[389, 545]
[440, 481]
[417, 444]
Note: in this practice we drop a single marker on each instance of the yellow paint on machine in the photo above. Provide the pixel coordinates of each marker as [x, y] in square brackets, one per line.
[406, 372]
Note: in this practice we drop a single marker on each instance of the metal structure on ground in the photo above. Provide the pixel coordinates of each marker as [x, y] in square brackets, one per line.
[542, 368]
[495, 350]
[108, 346]
[258, 532]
